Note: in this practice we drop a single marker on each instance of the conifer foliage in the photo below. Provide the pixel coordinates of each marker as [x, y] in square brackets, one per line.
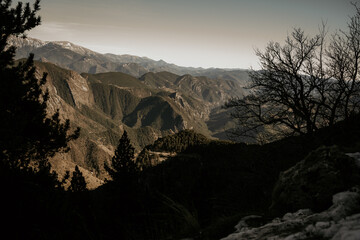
[123, 166]
[78, 183]
[27, 132]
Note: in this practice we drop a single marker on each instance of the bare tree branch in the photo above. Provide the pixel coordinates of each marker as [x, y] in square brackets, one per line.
[303, 85]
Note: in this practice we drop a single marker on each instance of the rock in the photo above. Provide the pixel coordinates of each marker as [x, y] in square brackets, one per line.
[356, 156]
[247, 222]
[312, 182]
[340, 221]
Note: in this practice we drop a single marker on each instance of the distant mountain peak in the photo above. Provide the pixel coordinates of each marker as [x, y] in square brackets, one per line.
[80, 59]
[25, 42]
[75, 48]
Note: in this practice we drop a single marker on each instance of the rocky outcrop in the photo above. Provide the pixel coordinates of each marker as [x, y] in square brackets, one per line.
[340, 221]
[318, 186]
[312, 182]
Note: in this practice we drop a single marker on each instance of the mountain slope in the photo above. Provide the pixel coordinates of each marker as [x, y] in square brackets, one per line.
[104, 105]
[212, 91]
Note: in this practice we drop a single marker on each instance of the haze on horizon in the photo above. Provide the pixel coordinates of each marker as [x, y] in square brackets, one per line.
[192, 33]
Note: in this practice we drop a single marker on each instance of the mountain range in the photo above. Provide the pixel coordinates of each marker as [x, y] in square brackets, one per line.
[105, 94]
[71, 56]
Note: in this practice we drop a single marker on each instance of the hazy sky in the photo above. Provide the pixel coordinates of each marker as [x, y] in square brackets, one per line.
[198, 33]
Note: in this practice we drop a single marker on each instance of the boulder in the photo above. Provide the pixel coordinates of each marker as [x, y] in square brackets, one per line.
[341, 221]
[312, 182]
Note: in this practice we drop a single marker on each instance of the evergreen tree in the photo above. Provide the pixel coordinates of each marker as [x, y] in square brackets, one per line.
[27, 132]
[123, 166]
[77, 183]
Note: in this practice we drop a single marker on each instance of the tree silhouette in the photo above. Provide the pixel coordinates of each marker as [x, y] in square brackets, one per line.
[303, 85]
[77, 183]
[123, 166]
[28, 135]
[343, 63]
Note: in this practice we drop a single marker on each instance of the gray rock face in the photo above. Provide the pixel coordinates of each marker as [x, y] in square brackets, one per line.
[312, 182]
[340, 221]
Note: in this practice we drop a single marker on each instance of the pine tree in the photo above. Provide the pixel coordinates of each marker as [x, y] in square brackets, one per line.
[123, 166]
[27, 132]
[77, 183]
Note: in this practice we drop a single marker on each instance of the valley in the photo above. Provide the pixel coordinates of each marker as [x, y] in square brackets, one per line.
[105, 94]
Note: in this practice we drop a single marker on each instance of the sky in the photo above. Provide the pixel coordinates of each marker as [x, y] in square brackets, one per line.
[191, 33]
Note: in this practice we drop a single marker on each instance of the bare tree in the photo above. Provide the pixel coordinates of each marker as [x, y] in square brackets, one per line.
[303, 85]
[343, 62]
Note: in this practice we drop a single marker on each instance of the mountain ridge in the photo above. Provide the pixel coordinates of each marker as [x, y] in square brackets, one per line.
[82, 59]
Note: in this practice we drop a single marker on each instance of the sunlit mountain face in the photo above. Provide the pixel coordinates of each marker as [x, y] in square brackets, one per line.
[105, 94]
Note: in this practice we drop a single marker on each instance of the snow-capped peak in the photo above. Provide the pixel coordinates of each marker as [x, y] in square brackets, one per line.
[74, 47]
[25, 42]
